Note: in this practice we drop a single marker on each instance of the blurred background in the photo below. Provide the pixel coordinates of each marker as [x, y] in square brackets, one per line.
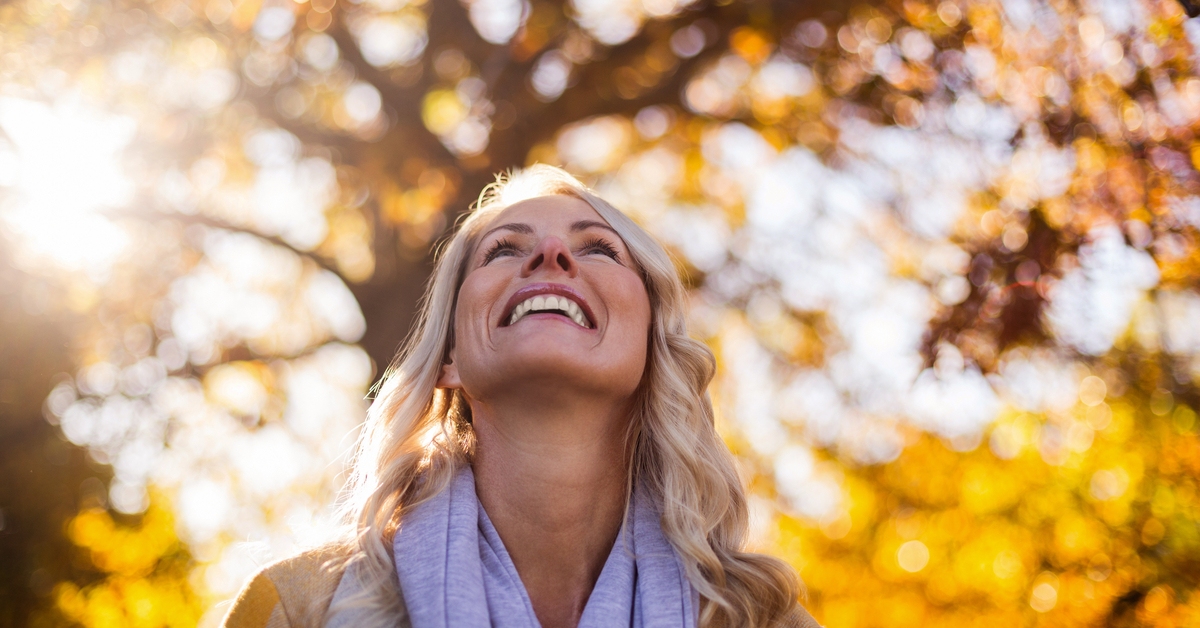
[947, 254]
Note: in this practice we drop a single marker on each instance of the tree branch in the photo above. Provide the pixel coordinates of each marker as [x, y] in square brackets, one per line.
[403, 102]
[215, 223]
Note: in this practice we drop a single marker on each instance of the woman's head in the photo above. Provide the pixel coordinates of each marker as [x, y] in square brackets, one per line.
[551, 307]
[540, 231]
[614, 270]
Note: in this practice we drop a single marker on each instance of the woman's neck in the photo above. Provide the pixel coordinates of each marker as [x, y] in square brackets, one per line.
[553, 482]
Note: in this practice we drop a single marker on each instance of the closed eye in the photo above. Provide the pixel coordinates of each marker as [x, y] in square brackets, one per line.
[500, 248]
[601, 246]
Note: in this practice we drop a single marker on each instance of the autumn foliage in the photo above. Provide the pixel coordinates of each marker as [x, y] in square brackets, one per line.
[947, 255]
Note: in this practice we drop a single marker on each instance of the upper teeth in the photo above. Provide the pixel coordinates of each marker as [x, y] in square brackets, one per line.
[545, 303]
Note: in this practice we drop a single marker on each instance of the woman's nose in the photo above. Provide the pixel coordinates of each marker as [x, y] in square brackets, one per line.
[551, 255]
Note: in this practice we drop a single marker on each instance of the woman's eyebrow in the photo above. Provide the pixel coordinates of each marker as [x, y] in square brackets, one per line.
[583, 225]
[517, 227]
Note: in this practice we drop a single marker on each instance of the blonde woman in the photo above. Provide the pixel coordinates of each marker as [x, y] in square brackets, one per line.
[543, 452]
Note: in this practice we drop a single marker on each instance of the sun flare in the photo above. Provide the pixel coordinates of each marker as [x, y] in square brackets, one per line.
[59, 171]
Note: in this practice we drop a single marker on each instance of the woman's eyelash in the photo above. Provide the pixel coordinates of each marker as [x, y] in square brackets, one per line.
[497, 248]
[598, 244]
[594, 244]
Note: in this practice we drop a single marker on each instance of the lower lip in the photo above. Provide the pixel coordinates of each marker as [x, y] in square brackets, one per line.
[547, 316]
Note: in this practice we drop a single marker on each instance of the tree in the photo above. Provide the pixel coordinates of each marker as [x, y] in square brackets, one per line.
[911, 228]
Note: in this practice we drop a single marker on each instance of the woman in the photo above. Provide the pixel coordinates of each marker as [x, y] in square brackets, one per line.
[543, 452]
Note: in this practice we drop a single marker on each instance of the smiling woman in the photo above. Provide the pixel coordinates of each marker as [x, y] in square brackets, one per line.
[543, 450]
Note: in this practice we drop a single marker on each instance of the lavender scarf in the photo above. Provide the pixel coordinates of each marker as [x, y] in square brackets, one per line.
[454, 571]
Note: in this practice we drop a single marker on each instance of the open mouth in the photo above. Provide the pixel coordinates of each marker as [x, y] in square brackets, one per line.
[548, 300]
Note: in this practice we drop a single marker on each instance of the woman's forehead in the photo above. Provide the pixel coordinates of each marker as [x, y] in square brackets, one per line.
[546, 212]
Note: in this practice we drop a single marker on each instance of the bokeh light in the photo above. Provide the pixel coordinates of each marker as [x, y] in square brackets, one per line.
[946, 253]
[47, 147]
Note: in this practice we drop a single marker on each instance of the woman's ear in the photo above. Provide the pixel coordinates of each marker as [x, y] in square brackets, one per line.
[449, 376]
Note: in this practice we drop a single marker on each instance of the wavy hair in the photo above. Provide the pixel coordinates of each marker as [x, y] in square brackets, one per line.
[416, 434]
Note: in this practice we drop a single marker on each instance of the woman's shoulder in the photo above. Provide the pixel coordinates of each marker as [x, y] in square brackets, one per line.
[799, 618]
[292, 593]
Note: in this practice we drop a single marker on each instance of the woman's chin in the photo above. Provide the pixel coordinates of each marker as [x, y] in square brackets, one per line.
[554, 373]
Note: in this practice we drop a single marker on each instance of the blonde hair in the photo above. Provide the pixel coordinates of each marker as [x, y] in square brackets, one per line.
[416, 435]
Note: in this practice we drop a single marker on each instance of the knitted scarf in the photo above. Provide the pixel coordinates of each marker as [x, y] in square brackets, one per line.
[455, 572]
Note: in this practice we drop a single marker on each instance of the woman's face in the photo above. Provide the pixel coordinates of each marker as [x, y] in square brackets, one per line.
[551, 304]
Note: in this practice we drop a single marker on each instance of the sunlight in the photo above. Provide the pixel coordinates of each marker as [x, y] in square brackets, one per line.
[58, 170]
